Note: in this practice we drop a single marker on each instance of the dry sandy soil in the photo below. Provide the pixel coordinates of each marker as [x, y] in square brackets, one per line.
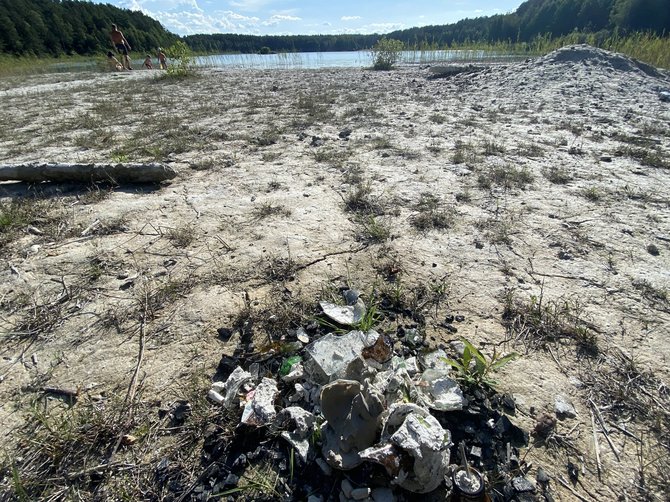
[532, 198]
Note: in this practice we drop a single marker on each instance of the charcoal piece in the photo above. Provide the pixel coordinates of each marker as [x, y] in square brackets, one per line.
[226, 366]
[506, 430]
[225, 333]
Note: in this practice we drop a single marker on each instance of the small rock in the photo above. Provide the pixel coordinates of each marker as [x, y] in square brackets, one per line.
[231, 480]
[522, 484]
[542, 476]
[382, 495]
[345, 133]
[605, 158]
[360, 493]
[653, 250]
[564, 255]
[563, 407]
[325, 468]
[460, 318]
[225, 333]
[346, 488]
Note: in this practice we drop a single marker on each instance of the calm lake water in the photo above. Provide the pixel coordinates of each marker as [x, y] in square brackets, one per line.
[352, 59]
[304, 60]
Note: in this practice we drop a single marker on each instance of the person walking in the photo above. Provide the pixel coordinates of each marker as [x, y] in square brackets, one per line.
[121, 45]
[162, 60]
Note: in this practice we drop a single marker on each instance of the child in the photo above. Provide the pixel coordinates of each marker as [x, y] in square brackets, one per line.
[147, 63]
[113, 62]
[162, 59]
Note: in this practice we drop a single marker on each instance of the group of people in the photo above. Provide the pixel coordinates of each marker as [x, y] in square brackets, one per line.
[123, 47]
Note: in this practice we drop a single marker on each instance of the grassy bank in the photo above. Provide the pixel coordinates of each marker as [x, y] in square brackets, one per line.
[646, 47]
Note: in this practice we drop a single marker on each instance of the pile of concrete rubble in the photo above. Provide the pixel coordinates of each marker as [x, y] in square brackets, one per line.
[345, 414]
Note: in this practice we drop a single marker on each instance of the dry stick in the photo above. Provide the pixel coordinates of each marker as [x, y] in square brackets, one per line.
[625, 432]
[132, 387]
[556, 360]
[572, 490]
[597, 446]
[604, 429]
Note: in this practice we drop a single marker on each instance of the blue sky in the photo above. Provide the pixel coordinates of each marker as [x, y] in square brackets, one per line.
[305, 17]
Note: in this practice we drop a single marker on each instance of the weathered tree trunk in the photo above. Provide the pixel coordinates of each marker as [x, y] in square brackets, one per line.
[114, 173]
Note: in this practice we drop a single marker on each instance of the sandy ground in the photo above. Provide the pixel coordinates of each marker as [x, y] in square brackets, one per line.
[555, 174]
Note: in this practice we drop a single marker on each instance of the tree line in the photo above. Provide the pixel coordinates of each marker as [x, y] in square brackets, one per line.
[63, 27]
[57, 27]
[556, 18]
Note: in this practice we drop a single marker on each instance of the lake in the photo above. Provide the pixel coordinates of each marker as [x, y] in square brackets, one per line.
[346, 59]
[306, 60]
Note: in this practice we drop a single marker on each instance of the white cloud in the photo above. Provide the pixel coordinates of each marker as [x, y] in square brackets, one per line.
[190, 23]
[349, 18]
[279, 18]
[250, 5]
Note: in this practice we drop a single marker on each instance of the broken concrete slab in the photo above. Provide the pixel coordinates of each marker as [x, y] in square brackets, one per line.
[334, 356]
[353, 417]
[440, 392]
[260, 409]
[299, 425]
[231, 387]
[424, 439]
[347, 315]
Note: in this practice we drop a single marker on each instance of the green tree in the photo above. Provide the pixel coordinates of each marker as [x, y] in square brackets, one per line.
[386, 53]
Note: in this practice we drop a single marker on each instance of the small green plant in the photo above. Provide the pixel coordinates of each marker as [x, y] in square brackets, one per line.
[592, 194]
[374, 230]
[267, 209]
[369, 320]
[181, 237]
[119, 157]
[386, 53]
[474, 368]
[557, 175]
[182, 60]
[431, 215]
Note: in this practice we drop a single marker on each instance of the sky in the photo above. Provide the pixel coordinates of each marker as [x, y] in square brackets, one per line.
[308, 17]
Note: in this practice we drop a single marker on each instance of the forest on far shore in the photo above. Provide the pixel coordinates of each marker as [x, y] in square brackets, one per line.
[68, 27]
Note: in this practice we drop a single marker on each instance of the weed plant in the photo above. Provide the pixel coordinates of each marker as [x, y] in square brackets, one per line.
[475, 369]
[538, 323]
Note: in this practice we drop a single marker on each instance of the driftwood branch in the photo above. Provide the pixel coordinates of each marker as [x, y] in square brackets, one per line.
[115, 173]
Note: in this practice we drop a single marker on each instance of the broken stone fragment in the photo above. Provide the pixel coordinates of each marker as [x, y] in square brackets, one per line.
[410, 364]
[353, 416]
[563, 407]
[440, 392]
[412, 437]
[436, 360]
[388, 456]
[347, 315]
[333, 356]
[299, 425]
[231, 387]
[297, 372]
[260, 408]
[424, 439]
[215, 396]
[380, 351]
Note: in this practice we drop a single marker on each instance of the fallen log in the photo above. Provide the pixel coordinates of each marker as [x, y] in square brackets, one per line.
[114, 173]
